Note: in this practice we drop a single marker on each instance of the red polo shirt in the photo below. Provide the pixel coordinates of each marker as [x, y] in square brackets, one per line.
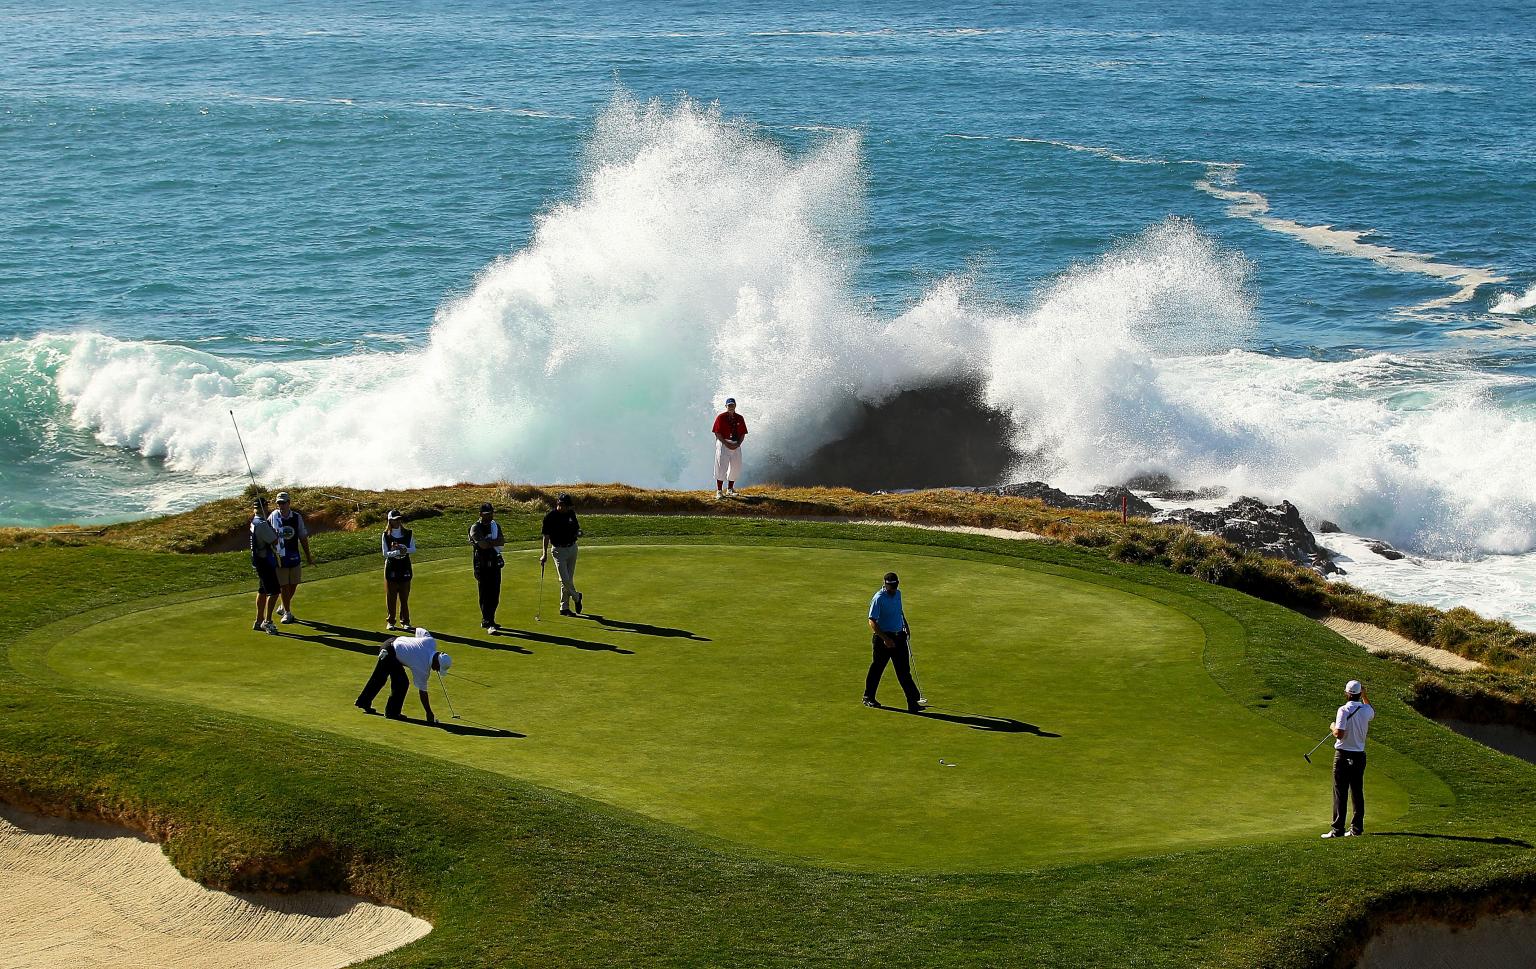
[731, 425]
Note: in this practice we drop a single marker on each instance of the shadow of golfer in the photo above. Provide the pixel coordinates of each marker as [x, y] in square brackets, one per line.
[367, 649]
[459, 729]
[371, 635]
[977, 722]
[643, 628]
[534, 637]
[1512, 842]
[481, 643]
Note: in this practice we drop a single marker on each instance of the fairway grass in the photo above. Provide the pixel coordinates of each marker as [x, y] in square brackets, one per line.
[717, 688]
[686, 776]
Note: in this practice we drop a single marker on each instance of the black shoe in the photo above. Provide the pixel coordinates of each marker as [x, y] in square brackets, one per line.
[486, 625]
[566, 612]
[394, 716]
[366, 709]
[578, 603]
[870, 701]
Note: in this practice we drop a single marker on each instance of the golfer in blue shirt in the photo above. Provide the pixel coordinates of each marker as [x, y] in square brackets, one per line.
[888, 626]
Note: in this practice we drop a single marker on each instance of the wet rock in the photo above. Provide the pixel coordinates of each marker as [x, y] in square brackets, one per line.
[1273, 530]
[1107, 500]
[1327, 527]
[1383, 549]
[1191, 494]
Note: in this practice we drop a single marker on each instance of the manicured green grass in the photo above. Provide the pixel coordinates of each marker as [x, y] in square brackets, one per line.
[1183, 709]
[716, 688]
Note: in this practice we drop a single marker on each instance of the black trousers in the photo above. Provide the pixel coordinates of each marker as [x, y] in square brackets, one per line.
[488, 578]
[900, 658]
[391, 669]
[1348, 783]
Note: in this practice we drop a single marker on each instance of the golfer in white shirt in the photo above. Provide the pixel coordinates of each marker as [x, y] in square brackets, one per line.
[416, 653]
[1350, 725]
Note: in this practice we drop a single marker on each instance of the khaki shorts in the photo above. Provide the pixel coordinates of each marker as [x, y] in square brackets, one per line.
[289, 576]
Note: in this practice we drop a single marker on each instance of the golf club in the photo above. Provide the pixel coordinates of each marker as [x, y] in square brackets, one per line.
[912, 665]
[444, 685]
[242, 450]
[538, 610]
[1308, 755]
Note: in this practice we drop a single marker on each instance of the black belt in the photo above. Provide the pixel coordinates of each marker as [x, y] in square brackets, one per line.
[566, 545]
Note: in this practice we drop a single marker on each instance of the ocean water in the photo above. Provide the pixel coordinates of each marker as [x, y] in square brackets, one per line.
[1289, 249]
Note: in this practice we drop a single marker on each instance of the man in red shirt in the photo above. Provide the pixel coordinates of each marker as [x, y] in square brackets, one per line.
[730, 428]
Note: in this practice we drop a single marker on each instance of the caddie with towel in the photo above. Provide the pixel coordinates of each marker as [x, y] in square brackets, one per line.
[416, 653]
[292, 537]
[1349, 727]
[561, 530]
[487, 538]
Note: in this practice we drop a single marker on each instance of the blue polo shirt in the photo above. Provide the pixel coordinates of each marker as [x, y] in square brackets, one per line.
[885, 610]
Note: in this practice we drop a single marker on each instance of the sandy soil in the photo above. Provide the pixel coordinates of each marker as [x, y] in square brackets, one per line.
[1494, 942]
[1383, 642]
[76, 895]
[963, 529]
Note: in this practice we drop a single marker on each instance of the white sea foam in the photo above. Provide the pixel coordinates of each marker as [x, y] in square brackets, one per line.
[1221, 183]
[1108, 153]
[1508, 304]
[697, 259]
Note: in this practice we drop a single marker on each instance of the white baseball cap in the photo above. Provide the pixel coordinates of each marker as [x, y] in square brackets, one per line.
[1353, 688]
[443, 662]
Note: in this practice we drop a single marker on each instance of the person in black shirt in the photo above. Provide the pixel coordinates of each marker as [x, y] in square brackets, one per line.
[561, 529]
[487, 539]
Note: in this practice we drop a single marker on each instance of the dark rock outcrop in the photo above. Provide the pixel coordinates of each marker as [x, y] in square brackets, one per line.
[1328, 528]
[1107, 500]
[1273, 530]
[1383, 549]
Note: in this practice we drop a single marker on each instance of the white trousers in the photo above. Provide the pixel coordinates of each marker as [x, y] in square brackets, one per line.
[727, 462]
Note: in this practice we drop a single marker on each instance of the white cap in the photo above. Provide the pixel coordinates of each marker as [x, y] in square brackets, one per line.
[1353, 688]
[443, 662]
[421, 633]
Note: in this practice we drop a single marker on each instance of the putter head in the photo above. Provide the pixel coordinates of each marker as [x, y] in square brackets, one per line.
[1307, 758]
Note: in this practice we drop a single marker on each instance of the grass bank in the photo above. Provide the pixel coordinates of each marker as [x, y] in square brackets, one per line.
[513, 872]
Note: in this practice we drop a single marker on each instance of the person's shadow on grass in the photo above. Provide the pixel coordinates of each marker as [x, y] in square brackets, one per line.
[459, 727]
[584, 644]
[643, 628]
[978, 722]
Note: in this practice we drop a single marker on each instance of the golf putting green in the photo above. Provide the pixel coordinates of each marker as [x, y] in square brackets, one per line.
[717, 688]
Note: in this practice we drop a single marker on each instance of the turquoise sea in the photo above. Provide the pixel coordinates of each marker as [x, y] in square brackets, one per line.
[1287, 249]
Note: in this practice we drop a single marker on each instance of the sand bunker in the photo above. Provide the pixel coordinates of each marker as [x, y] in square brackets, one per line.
[79, 895]
[1493, 942]
[1384, 642]
[1018, 535]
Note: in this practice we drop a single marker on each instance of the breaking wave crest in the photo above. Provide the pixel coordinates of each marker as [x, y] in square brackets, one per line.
[697, 259]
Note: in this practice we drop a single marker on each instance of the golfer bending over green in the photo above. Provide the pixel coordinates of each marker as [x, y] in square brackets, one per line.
[417, 653]
[888, 624]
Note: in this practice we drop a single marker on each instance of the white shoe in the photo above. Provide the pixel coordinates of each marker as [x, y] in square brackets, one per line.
[731, 492]
[288, 617]
[270, 629]
[1335, 834]
[719, 496]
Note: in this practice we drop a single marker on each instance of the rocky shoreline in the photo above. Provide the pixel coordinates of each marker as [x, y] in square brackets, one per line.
[1277, 531]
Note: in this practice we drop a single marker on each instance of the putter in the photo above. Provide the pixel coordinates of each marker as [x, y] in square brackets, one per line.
[538, 610]
[444, 685]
